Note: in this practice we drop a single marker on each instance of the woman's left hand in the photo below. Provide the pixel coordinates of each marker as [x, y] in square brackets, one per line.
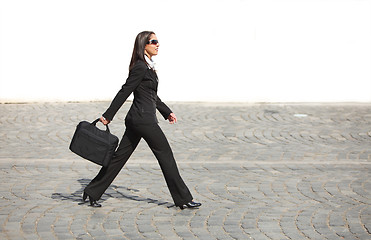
[172, 118]
[104, 121]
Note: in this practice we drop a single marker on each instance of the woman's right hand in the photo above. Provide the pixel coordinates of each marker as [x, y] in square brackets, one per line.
[104, 121]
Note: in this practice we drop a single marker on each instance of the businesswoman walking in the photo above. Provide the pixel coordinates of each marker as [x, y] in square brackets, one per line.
[141, 122]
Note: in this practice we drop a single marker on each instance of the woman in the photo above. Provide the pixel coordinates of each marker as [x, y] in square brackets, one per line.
[141, 122]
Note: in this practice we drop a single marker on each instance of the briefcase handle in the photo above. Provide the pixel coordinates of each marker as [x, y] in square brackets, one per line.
[95, 122]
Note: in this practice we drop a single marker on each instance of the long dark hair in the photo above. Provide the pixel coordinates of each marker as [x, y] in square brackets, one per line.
[140, 43]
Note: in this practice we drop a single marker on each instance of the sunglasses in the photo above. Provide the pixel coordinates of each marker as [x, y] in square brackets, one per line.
[153, 42]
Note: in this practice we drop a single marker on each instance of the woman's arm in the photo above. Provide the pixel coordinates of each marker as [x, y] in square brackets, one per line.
[163, 109]
[135, 77]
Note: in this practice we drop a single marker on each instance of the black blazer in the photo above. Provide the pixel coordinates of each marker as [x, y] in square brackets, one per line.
[143, 82]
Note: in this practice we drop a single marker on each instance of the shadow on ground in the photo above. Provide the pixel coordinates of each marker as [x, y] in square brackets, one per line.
[112, 192]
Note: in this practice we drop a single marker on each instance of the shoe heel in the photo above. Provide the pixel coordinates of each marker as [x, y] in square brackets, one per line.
[84, 197]
[93, 203]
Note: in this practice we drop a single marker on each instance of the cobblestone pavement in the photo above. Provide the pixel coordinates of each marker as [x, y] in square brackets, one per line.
[261, 171]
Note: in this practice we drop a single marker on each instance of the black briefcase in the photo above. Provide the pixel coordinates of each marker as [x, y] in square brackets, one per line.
[94, 144]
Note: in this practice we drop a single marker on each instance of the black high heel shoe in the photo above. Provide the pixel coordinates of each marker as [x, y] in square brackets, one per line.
[93, 203]
[84, 197]
[191, 204]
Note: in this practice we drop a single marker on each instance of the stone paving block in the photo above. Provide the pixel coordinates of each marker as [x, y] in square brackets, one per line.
[118, 237]
[133, 235]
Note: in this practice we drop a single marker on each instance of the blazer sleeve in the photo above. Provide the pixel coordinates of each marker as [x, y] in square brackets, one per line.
[163, 108]
[136, 75]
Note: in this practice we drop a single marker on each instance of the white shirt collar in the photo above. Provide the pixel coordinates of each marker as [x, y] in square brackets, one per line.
[150, 62]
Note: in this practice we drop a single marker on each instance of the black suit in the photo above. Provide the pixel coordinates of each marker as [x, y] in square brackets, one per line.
[141, 122]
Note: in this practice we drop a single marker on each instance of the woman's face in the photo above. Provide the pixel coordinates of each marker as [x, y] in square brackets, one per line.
[151, 48]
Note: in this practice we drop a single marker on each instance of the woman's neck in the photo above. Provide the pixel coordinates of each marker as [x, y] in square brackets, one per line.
[150, 57]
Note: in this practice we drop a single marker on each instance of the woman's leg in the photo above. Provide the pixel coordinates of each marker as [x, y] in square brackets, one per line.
[159, 145]
[105, 177]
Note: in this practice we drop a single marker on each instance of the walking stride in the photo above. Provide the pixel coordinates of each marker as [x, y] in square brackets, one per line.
[141, 122]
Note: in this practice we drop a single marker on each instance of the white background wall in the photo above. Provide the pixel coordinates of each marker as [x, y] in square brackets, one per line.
[211, 50]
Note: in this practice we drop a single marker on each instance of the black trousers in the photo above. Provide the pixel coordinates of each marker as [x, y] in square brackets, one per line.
[159, 145]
